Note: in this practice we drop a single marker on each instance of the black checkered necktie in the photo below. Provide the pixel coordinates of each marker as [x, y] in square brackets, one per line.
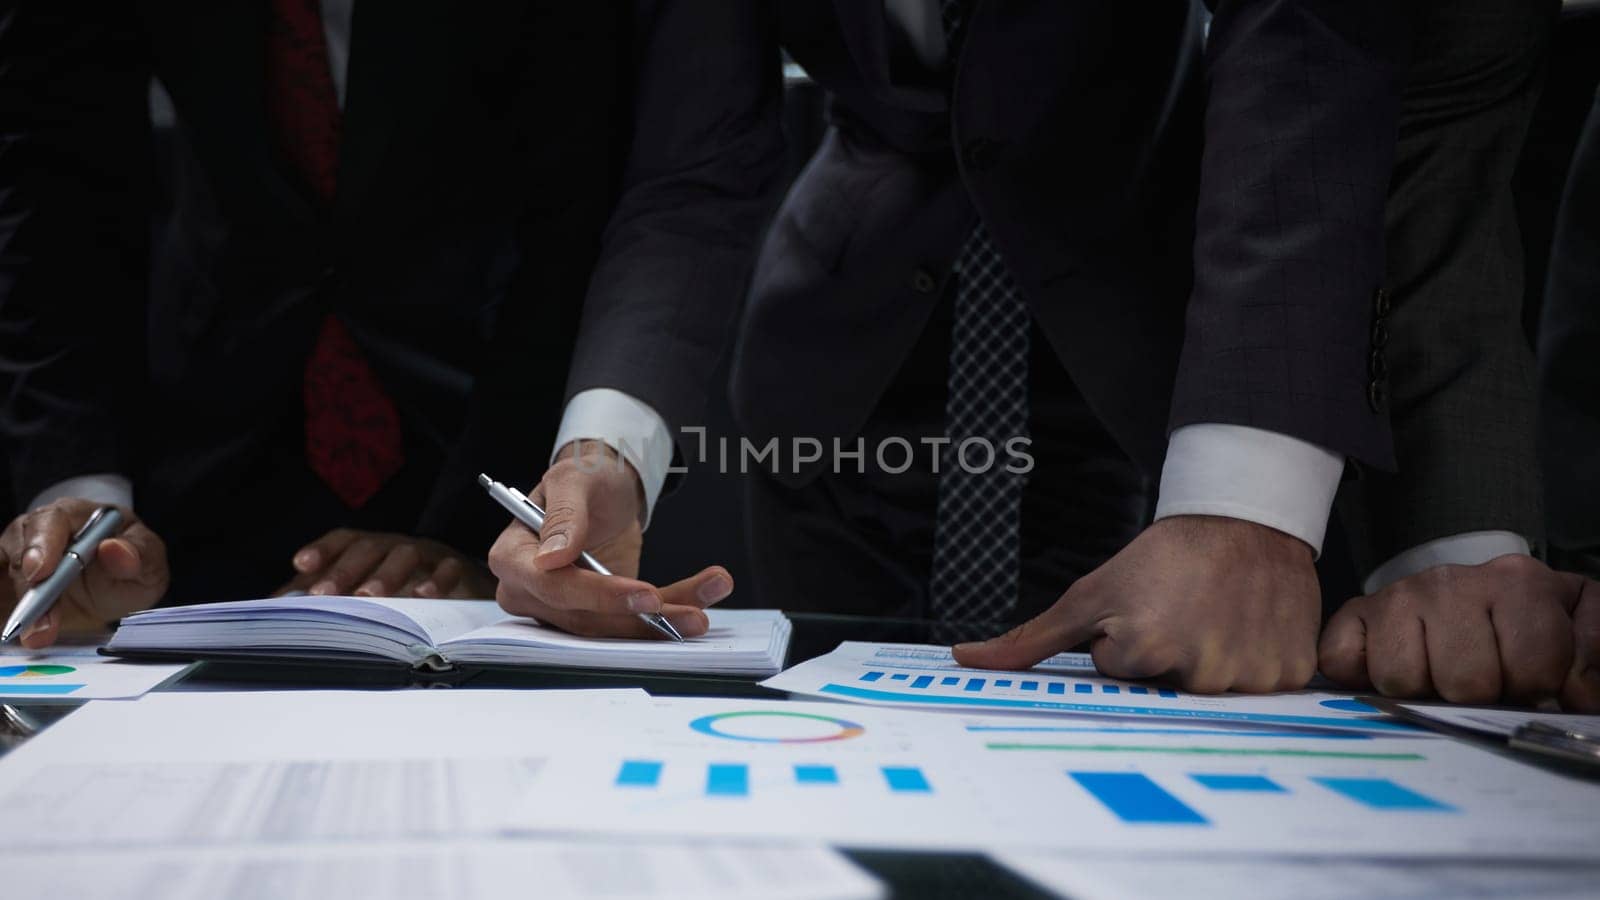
[978, 527]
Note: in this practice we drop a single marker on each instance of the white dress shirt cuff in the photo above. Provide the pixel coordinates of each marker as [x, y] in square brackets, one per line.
[1473, 548]
[627, 425]
[106, 489]
[1252, 474]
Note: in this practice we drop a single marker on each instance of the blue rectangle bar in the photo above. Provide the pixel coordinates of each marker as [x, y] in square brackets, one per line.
[949, 681]
[872, 676]
[1030, 685]
[1167, 693]
[816, 775]
[907, 779]
[727, 780]
[1083, 689]
[1057, 687]
[1110, 689]
[1135, 798]
[1002, 682]
[1138, 689]
[639, 773]
[1240, 783]
[974, 684]
[899, 676]
[922, 681]
[40, 689]
[1381, 793]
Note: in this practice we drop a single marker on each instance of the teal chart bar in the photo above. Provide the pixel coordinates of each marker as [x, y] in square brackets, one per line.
[1248, 783]
[1134, 798]
[906, 779]
[1381, 793]
[816, 775]
[639, 773]
[727, 780]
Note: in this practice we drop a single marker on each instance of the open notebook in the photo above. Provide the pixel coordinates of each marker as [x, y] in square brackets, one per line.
[439, 635]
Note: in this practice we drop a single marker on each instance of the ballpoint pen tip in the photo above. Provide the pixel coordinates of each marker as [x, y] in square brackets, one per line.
[484, 480]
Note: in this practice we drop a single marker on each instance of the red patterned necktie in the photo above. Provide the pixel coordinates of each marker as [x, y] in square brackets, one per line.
[353, 439]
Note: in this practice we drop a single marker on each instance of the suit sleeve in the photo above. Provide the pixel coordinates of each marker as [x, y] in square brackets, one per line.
[73, 236]
[700, 179]
[1300, 130]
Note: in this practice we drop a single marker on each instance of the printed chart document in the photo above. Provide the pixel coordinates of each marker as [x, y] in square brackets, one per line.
[883, 777]
[444, 870]
[230, 769]
[1144, 877]
[439, 634]
[73, 673]
[928, 677]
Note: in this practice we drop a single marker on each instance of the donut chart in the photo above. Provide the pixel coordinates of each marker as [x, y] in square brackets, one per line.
[773, 727]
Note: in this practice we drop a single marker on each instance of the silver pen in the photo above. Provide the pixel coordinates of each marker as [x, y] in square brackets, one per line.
[528, 513]
[105, 523]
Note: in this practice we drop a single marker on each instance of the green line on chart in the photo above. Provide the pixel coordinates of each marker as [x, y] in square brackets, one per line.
[1207, 751]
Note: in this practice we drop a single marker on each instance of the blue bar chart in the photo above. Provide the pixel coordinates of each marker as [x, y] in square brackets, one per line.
[1134, 798]
[1382, 794]
[1006, 685]
[732, 779]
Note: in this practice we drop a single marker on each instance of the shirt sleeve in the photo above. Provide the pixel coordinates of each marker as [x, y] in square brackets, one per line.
[627, 425]
[1251, 474]
[1473, 548]
[107, 489]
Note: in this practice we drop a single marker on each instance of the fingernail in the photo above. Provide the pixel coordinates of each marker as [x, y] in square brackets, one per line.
[370, 589]
[552, 543]
[715, 589]
[322, 587]
[427, 589]
[644, 602]
[41, 624]
[305, 560]
[964, 647]
[32, 562]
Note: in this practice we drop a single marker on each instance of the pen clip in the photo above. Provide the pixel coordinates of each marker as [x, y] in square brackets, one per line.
[96, 516]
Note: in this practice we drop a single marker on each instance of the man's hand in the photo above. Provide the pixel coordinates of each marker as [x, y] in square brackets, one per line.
[374, 564]
[129, 572]
[1511, 630]
[1213, 604]
[594, 502]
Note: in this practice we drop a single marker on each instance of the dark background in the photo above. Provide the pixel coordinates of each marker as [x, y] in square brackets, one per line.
[702, 523]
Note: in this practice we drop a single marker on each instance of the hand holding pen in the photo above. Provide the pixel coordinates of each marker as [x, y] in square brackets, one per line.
[74, 560]
[595, 505]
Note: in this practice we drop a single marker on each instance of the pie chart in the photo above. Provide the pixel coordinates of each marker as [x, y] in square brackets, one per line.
[34, 671]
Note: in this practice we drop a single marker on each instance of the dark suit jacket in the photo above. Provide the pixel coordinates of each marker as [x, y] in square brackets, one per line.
[1075, 130]
[494, 156]
[1569, 365]
[1459, 363]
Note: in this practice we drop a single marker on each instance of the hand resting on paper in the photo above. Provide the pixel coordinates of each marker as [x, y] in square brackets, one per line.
[1210, 603]
[372, 564]
[1509, 631]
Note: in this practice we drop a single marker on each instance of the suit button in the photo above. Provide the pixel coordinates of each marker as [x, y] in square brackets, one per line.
[1380, 335]
[1380, 303]
[1378, 396]
[923, 282]
[1377, 365]
[980, 154]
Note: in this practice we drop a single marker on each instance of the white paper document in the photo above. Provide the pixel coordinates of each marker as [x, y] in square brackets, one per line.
[881, 777]
[443, 870]
[74, 673]
[927, 677]
[1142, 877]
[185, 769]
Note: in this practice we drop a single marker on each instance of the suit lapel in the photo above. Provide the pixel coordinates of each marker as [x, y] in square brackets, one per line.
[865, 27]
